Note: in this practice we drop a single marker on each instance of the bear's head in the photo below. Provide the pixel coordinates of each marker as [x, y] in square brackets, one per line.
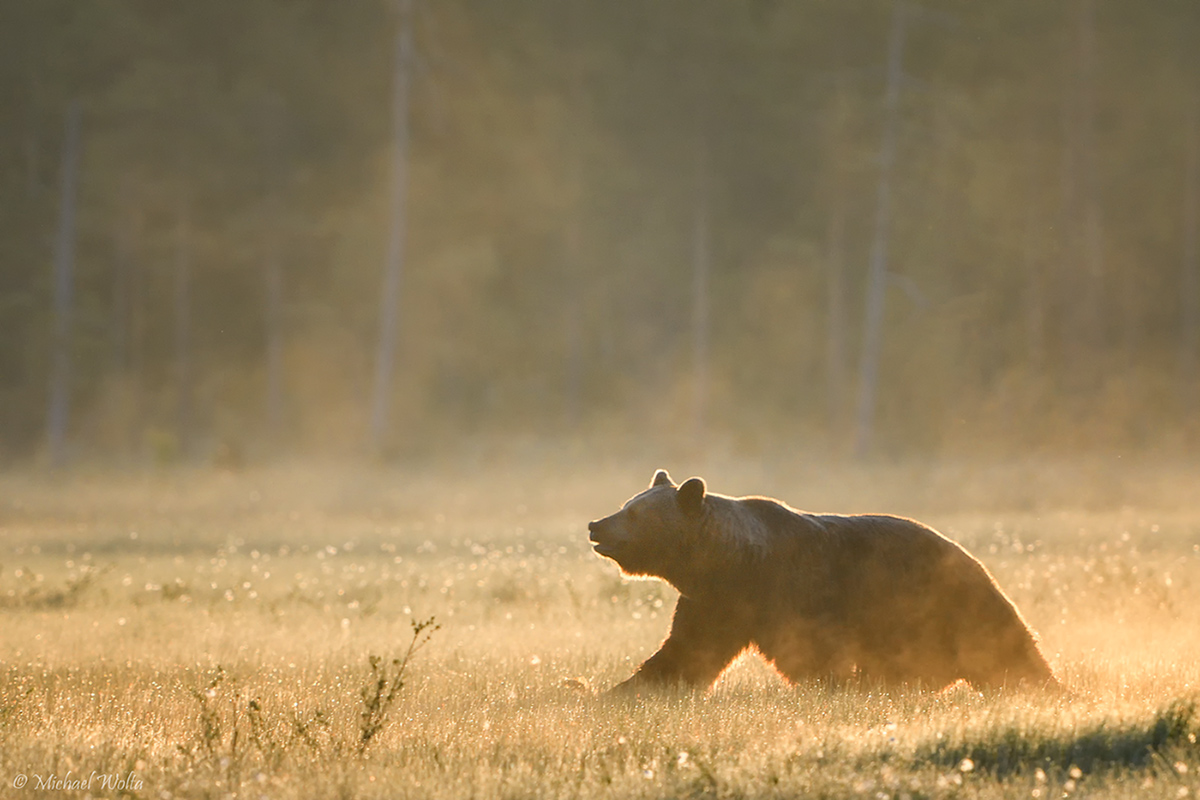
[655, 532]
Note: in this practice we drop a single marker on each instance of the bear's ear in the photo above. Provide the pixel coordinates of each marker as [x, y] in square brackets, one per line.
[661, 478]
[691, 496]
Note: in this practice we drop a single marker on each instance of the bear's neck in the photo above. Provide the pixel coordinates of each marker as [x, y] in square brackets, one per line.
[718, 555]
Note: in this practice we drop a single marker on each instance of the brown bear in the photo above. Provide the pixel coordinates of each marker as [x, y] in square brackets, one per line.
[846, 598]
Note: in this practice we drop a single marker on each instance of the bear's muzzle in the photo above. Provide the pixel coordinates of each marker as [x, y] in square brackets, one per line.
[600, 537]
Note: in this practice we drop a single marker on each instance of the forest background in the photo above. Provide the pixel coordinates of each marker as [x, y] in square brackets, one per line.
[622, 223]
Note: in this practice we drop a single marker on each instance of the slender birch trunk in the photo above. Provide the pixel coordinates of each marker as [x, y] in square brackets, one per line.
[64, 286]
[700, 303]
[183, 332]
[389, 299]
[877, 275]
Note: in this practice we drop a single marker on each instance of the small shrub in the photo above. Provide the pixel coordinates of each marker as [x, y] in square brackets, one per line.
[386, 682]
[34, 595]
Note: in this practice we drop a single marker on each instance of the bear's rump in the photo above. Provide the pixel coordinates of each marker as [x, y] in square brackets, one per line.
[929, 621]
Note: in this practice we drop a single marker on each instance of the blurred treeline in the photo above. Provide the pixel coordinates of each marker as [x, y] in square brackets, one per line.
[651, 219]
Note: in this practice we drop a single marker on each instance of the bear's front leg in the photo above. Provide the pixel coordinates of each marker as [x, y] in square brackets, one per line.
[704, 638]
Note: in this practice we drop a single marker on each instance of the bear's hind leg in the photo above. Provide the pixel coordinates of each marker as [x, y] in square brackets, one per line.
[1009, 658]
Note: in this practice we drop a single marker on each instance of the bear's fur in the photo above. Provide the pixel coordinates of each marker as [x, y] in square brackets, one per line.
[866, 598]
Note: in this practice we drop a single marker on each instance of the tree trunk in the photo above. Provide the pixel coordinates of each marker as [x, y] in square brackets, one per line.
[137, 337]
[183, 333]
[835, 268]
[877, 275]
[1189, 284]
[273, 268]
[273, 320]
[835, 346]
[1035, 283]
[122, 278]
[389, 300]
[1092, 231]
[574, 274]
[64, 269]
[700, 305]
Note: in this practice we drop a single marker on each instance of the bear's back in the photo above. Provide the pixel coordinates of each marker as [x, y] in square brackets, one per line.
[787, 531]
[831, 559]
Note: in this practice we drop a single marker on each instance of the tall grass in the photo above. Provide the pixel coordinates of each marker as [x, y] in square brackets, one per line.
[221, 635]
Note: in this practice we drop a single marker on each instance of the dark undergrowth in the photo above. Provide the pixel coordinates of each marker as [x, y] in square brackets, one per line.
[1099, 748]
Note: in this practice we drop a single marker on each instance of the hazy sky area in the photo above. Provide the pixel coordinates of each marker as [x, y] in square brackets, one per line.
[235, 230]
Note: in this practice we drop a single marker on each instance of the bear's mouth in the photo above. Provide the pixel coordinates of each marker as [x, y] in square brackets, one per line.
[607, 549]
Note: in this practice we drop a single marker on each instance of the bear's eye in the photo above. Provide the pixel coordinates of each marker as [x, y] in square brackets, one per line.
[633, 514]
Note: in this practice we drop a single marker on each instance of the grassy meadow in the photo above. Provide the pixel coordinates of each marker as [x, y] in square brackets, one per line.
[211, 635]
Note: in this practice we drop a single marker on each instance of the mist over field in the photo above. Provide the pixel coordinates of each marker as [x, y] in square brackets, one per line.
[320, 321]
